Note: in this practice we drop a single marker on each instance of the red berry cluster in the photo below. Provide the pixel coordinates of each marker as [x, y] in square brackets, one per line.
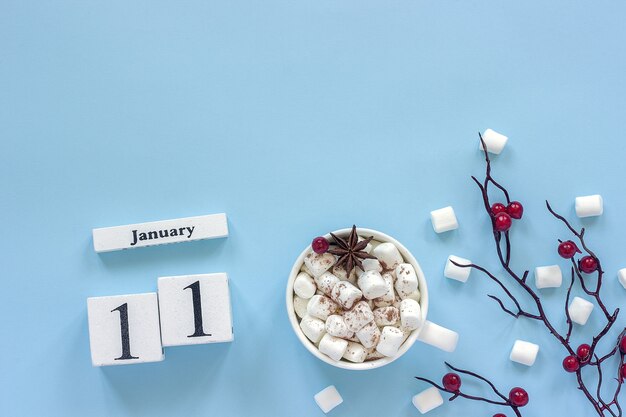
[518, 397]
[503, 215]
[586, 264]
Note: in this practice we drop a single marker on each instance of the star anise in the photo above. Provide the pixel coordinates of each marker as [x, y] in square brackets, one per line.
[351, 252]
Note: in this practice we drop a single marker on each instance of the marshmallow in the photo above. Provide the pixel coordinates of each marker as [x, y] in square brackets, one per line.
[444, 219]
[386, 316]
[317, 264]
[312, 328]
[456, 272]
[389, 297]
[304, 286]
[345, 294]
[390, 341]
[406, 280]
[321, 307]
[580, 310]
[333, 347]
[369, 335]
[372, 284]
[340, 272]
[427, 400]
[336, 326]
[548, 276]
[369, 246]
[590, 205]
[494, 141]
[621, 275]
[439, 337]
[415, 295]
[325, 282]
[358, 316]
[355, 352]
[372, 265]
[524, 352]
[299, 306]
[388, 255]
[373, 354]
[328, 398]
[410, 314]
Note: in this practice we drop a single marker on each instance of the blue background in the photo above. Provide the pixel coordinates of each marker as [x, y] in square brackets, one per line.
[295, 118]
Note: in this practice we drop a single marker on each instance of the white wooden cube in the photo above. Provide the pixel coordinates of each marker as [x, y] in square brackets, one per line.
[427, 400]
[124, 329]
[195, 309]
[328, 398]
[494, 141]
[621, 275]
[590, 205]
[580, 310]
[548, 276]
[524, 352]
[456, 272]
[444, 219]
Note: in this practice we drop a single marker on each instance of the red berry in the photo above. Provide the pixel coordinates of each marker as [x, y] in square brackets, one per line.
[320, 245]
[571, 364]
[568, 249]
[515, 209]
[622, 371]
[583, 353]
[588, 264]
[498, 208]
[451, 382]
[499, 415]
[518, 397]
[503, 222]
[622, 345]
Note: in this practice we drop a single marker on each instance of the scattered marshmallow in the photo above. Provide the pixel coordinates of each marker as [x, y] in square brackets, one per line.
[304, 286]
[390, 341]
[328, 398]
[345, 294]
[372, 284]
[369, 335]
[333, 347]
[427, 400]
[355, 352]
[524, 352]
[299, 306]
[410, 314]
[621, 275]
[548, 276]
[406, 280]
[590, 205]
[317, 263]
[388, 255]
[372, 265]
[444, 219]
[336, 326]
[438, 336]
[313, 328]
[358, 316]
[494, 141]
[325, 282]
[321, 307]
[580, 310]
[386, 316]
[456, 272]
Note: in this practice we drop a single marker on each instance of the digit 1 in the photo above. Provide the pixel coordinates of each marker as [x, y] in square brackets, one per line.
[197, 310]
[123, 309]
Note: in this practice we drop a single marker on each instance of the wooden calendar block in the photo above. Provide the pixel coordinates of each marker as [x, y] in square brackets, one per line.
[195, 309]
[124, 329]
[187, 229]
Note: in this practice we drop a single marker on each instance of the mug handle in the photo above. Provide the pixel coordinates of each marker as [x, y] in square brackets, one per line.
[438, 336]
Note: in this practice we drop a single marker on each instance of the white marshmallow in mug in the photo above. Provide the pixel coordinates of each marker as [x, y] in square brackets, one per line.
[372, 284]
[358, 316]
[410, 314]
[336, 326]
[372, 265]
[369, 335]
[390, 341]
[321, 307]
[369, 246]
[406, 280]
[304, 286]
[345, 294]
[325, 282]
[313, 328]
[333, 347]
[299, 306]
[317, 263]
[340, 272]
[355, 352]
[389, 297]
[415, 295]
[388, 255]
[373, 354]
[386, 316]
